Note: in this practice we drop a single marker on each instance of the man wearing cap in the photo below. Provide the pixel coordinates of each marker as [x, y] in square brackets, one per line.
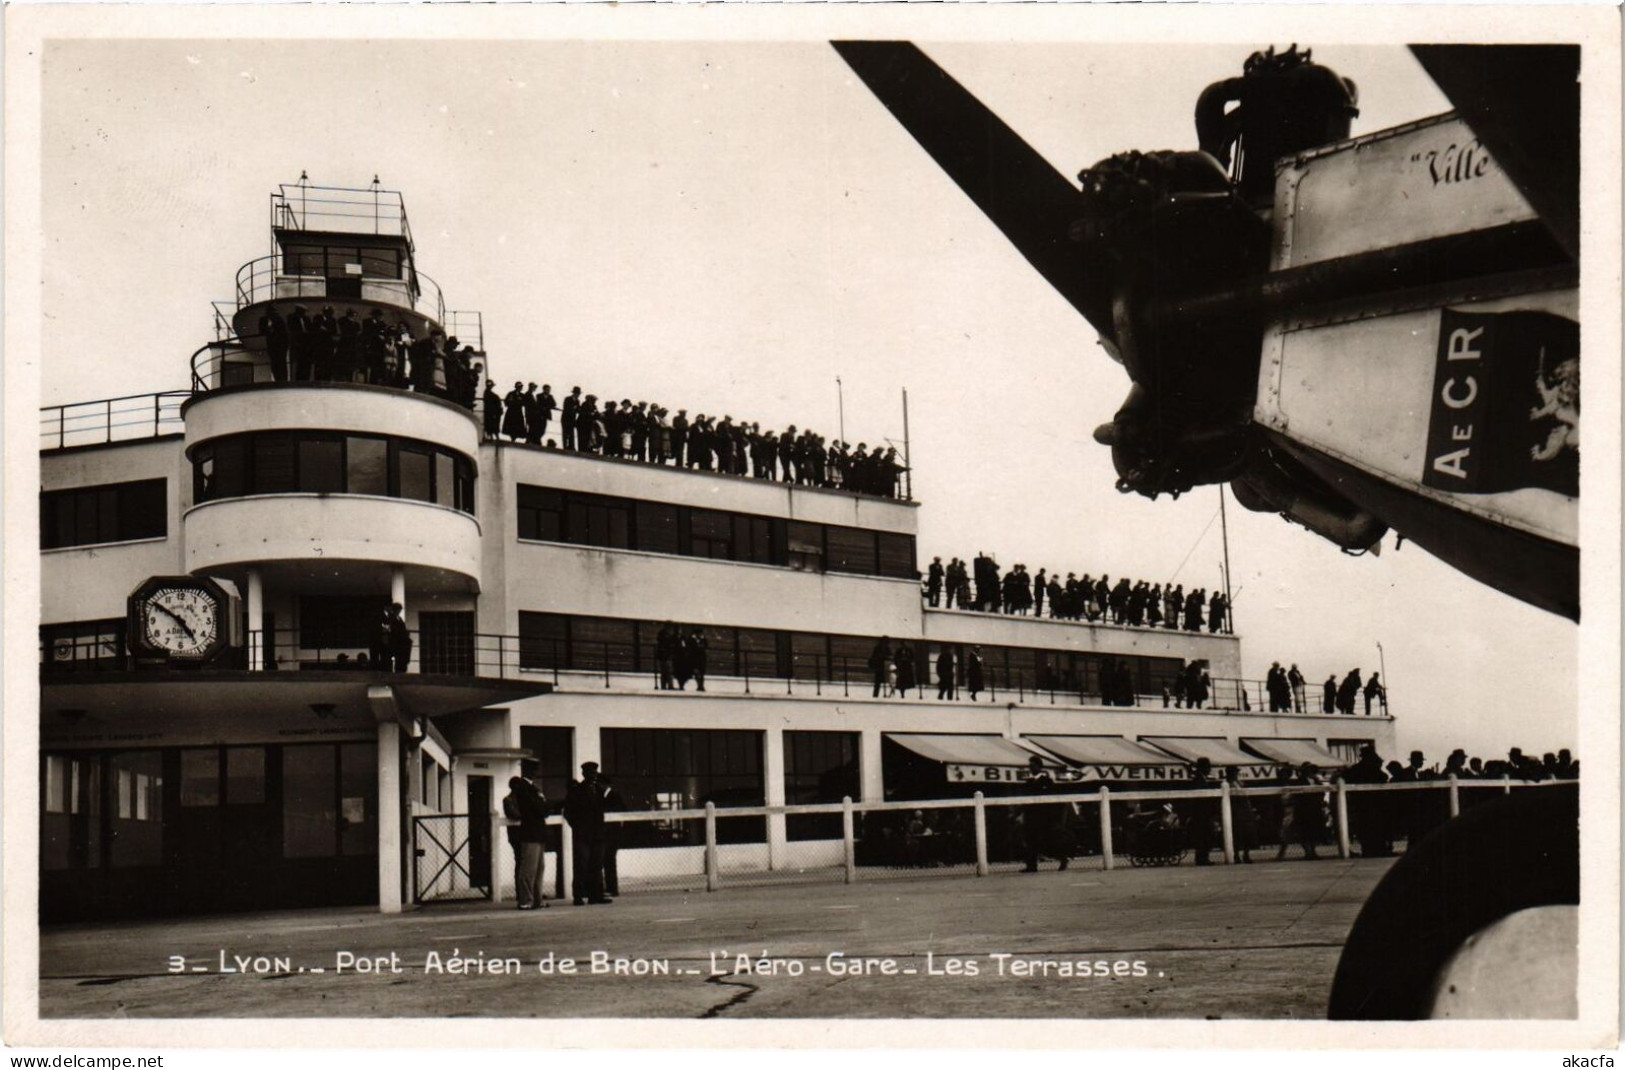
[527, 808]
[584, 808]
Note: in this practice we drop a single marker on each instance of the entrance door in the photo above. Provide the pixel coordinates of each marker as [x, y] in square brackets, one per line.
[446, 642]
[479, 832]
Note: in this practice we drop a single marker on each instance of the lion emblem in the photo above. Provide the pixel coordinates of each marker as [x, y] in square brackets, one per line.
[1559, 400]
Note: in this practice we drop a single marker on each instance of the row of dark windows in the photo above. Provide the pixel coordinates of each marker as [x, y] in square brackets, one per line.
[285, 462]
[335, 261]
[110, 512]
[685, 768]
[629, 524]
[617, 644]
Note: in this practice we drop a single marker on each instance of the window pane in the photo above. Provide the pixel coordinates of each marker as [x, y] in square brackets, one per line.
[368, 462]
[897, 556]
[230, 468]
[302, 260]
[273, 464]
[657, 527]
[415, 474]
[598, 643]
[200, 777]
[542, 641]
[309, 802]
[321, 466]
[358, 798]
[380, 263]
[86, 529]
[852, 550]
[245, 775]
[137, 842]
[143, 509]
[445, 479]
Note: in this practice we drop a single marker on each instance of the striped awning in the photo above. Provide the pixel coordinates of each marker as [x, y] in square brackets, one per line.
[1295, 752]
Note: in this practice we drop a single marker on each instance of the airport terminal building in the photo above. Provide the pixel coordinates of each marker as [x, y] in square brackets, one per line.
[218, 733]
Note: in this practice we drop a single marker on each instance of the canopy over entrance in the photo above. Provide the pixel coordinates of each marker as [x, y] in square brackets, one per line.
[1295, 752]
[967, 758]
[1219, 752]
[1113, 758]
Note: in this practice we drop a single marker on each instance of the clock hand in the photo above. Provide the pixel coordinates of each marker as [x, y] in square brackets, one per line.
[176, 618]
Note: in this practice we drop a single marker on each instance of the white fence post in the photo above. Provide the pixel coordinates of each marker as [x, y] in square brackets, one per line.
[1506, 784]
[1343, 850]
[1106, 826]
[567, 857]
[499, 826]
[849, 842]
[713, 879]
[981, 835]
[1226, 823]
[1455, 796]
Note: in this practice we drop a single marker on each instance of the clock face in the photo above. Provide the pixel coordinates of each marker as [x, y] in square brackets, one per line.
[181, 621]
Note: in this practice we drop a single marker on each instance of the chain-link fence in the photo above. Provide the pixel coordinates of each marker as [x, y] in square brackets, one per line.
[718, 847]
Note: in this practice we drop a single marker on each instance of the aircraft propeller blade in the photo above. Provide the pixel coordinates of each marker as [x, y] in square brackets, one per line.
[1027, 199]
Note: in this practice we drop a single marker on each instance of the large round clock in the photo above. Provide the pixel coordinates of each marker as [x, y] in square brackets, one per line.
[178, 618]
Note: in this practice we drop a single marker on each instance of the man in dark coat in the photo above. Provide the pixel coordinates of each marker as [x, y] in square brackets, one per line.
[933, 582]
[527, 809]
[513, 413]
[1347, 692]
[1043, 825]
[400, 639]
[945, 674]
[544, 412]
[1328, 703]
[493, 410]
[275, 331]
[299, 343]
[878, 659]
[973, 672]
[697, 648]
[533, 419]
[568, 419]
[1199, 813]
[584, 809]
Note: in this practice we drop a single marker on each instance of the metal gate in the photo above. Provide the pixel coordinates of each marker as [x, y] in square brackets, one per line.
[446, 861]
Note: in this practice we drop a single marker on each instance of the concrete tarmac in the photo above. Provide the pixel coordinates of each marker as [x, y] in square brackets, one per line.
[1258, 941]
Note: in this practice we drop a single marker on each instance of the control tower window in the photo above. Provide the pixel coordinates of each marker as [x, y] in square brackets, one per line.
[337, 261]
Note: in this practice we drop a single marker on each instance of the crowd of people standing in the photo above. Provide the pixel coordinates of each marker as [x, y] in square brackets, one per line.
[1136, 603]
[331, 348]
[648, 433]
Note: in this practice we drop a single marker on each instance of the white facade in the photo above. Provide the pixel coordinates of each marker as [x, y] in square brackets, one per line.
[546, 630]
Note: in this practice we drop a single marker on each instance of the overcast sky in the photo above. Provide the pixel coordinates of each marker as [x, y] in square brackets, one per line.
[728, 228]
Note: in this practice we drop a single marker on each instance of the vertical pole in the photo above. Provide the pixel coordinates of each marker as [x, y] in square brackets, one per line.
[498, 824]
[981, 835]
[256, 621]
[1455, 796]
[849, 842]
[1343, 850]
[109, 405]
[713, 879]
[1224, 531]
[567, 858]
[1227, 823]
[156, 401]
[840, 406]
[1506, 784]
[908, 459]
[397, 593]
[1106, 826]
[389, 818]
[778, 837]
